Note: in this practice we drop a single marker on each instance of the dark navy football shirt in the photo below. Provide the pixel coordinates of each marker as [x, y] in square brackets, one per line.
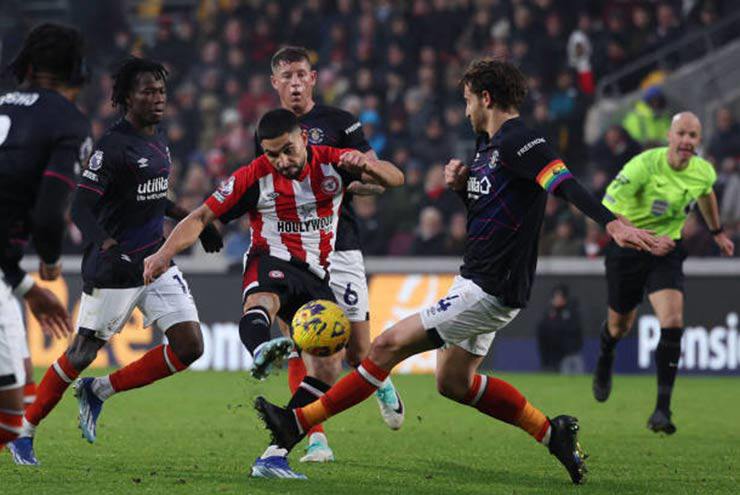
[507, 188]
[130, 171]
[337, 128]
[42, 135]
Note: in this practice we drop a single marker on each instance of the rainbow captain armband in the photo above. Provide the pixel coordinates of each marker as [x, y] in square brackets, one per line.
[552, 175]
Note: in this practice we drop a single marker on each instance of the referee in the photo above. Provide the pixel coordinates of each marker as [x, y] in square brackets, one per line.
[656, 190]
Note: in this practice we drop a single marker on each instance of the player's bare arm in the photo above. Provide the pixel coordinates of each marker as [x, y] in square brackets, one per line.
[366, 188]
[710, 212]
[372, 170]
[210, 238]
[184, 235]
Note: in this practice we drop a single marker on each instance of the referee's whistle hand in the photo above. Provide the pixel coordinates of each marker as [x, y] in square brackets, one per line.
[664, 245]
[631, 237]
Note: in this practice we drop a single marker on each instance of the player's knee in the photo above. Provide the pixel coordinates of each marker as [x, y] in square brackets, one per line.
[385, 346]
[188, 345]
[620, 327]
[452, 388]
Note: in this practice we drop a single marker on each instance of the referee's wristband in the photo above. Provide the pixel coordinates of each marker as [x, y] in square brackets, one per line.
[718, 230]
[26, 284]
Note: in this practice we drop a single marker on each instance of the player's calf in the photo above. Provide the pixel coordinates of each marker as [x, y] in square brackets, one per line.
[11, 421]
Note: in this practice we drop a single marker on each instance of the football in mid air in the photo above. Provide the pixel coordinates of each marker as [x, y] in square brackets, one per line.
[320, 328]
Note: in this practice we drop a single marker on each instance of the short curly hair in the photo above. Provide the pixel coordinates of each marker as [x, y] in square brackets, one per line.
[503, 80]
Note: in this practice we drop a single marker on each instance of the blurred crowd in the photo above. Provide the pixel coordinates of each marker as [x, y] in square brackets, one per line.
[396, 65]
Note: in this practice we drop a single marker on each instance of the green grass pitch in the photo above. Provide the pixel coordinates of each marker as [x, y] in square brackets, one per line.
[196, 434]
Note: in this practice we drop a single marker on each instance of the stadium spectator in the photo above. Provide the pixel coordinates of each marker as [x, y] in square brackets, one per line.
[725, 142]
[613, 150]
[236, 243]
[373, 235]
[430, 236]
[648, 122]
[397, 60]
[560, 334]
[457, 235]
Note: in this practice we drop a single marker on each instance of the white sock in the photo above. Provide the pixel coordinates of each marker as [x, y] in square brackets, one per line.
[27, 429]
[274, 451]
[102, 387]
[546, 439]
[318, 438]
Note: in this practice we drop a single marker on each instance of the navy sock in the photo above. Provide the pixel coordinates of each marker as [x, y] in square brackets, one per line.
[254, 328]
[308, 391]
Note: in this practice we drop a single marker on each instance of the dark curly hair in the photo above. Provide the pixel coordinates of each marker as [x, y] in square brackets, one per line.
[124, 79]
[504, 82]
[54, 49]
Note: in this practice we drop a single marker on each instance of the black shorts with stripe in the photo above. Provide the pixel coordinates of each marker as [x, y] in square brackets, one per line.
[292, 283]
[631, 273]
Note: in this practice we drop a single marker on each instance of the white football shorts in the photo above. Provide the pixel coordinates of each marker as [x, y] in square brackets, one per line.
[13, 347]
[468, 317]
[165, 302]
[349, 283]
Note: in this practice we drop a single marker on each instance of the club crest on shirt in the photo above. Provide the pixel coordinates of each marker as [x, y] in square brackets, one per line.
[330, 185]
[96, 161]
[315, 135]
[225, 190]
[494, 160]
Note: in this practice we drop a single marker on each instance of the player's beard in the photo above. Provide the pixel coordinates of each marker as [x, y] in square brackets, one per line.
[292, 172]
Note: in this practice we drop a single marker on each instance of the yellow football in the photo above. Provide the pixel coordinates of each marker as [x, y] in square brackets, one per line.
[320, 328]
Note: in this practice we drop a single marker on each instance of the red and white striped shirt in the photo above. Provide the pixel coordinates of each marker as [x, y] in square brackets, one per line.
[294, 220]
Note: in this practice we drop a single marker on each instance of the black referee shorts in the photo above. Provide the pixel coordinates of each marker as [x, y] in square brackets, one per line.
[294, 285]
[630, 273]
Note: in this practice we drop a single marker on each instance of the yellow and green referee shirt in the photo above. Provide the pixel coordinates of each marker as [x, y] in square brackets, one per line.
[653, 196]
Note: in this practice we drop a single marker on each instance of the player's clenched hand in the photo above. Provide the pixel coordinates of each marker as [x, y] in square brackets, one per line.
[211, 239]
[50, 272]
[631, 237]
[456, 174]
[154, 266]
[664, 245]
[353, 161]
[49, 312]
[726, 246]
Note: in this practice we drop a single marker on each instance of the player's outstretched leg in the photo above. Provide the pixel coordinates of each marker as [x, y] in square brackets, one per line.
[318, 449]
[391, 405]
[457, 379]
[185, 346]
[602, 381]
